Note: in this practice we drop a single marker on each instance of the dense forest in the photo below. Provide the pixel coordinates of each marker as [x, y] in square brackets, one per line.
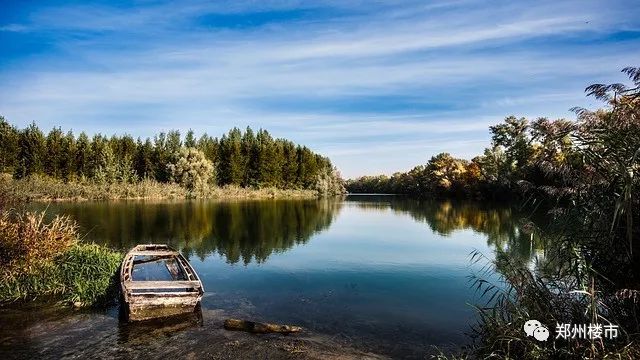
[245, 159]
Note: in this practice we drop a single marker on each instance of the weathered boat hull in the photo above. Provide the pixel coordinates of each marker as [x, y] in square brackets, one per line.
[179, 292]
[150, 307]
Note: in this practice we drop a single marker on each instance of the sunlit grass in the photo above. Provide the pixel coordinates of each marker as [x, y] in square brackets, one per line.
[41, 259]
[42, 188]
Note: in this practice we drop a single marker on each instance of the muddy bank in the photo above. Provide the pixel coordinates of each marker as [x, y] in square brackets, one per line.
[53, 333]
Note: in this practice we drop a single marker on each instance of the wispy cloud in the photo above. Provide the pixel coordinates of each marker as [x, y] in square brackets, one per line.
[13, 28]
[346, 78]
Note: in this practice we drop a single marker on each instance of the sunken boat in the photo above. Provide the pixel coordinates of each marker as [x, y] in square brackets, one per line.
[157, 281]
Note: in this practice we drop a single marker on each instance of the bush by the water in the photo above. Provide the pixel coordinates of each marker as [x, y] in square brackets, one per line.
[27, 240]
[41, 258]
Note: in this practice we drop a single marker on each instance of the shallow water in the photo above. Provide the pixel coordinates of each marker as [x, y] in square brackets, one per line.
[385, 274]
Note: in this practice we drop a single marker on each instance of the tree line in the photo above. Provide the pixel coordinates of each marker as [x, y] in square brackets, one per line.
[246, 159]
[523, 153]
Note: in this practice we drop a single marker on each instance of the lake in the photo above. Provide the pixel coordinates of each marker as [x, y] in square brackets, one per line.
[383, 273]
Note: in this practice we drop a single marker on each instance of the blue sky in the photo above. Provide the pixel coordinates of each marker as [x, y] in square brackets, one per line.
[377, 86]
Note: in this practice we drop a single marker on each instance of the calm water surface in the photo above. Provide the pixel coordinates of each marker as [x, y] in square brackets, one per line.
[384, 273]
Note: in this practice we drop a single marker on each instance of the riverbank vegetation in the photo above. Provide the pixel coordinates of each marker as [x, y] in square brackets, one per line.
[585, 174]
[45, 259]
[542, 156]
[60, 165]
[43, 188]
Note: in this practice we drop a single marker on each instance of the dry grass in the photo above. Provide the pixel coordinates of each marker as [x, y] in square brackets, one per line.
[26, 240]
[39, 258]
[237, 192]
[39, 188]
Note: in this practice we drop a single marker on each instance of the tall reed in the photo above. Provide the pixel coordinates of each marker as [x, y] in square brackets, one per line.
[40, 258]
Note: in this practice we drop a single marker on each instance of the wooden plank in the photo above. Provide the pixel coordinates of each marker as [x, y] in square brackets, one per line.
[161, 284]
[166, 294]
[153, 253]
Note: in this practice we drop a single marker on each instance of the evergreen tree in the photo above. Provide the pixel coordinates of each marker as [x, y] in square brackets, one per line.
[54, 153]
[307, 167]
[232, 162]
[143, 160]
[32, 152]
[250, 154]
[161, 156]
[243, 159]
[190, 140]
[124, 147]
[289, 165]
[103, 162]
[173, 143]
[83, 156]
[9, 149]
[209, 146]
[66, 160]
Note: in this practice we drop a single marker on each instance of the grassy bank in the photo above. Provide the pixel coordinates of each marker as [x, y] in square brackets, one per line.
[40, 259]
[40, 188]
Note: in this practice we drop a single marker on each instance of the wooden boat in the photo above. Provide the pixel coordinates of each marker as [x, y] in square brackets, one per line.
[157, 281]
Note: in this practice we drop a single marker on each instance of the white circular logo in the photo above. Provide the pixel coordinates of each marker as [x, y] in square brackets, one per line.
[530, 326]
[537, 330]
[541, 333]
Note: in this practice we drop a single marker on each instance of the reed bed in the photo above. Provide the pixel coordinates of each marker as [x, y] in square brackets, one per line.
[42, 188]
[45, 259]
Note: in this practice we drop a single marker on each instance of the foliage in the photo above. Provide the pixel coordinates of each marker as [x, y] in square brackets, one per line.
[583, 175]
[84, 275]
[26, 240]
[40, 258]
[442, 175]
[88, 272]
[43, 188]
[330, 183]
[542, 155]
[246, 159]
[591, 272]
[9, 138]
[192, 169]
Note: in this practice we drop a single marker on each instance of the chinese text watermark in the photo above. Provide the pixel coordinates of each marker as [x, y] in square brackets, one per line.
[540, 332]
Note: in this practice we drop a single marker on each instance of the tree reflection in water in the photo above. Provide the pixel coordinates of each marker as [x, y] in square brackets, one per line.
[246, 231]
[241, 231]
[501, 223]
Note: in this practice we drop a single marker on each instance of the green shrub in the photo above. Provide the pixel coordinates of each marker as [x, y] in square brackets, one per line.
[87, 272]
[83, 275]
[39, 258]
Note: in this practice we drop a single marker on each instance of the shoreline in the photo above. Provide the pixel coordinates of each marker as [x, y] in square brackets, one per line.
[183, 337]
[41, 189]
